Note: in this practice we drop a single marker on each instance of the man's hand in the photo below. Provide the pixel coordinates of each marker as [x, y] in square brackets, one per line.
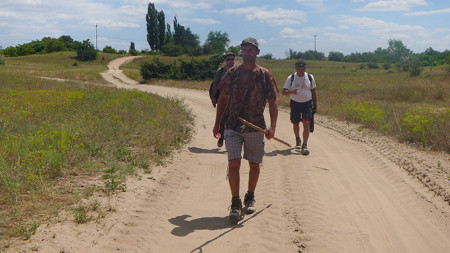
[216, 130]
[314, 108]
[270, 133]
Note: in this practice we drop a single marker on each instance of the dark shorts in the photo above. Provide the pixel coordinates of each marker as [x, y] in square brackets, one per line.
[301, 111]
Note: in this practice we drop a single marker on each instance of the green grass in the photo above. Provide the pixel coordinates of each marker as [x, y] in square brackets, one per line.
[388, 101]
[56, 135]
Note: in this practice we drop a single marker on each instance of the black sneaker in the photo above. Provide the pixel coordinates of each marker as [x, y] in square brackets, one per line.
[220, 142]
[305, 150]
[249, 202]
[235, 210]
[298, 143]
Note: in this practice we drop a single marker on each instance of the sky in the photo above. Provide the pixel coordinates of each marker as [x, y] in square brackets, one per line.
[346, 26]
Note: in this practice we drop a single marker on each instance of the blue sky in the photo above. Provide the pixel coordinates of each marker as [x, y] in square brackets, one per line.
[340, 26]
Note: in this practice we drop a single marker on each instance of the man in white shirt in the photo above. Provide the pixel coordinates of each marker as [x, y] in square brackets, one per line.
[301, 87]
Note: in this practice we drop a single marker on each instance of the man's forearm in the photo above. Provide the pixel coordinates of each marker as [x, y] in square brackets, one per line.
[273, 111]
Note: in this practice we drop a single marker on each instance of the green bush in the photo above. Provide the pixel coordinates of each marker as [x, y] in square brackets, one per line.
[171, 49]
[2, 60]
[186, 70]
[86, 51]
[417, 125]
[368, 113]
[373, 65]
[109, 50]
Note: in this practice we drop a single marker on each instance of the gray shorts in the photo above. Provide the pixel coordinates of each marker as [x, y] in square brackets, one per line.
[253, 145]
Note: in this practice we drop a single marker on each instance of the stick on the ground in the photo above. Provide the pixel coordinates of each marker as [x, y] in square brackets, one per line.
[265, 132]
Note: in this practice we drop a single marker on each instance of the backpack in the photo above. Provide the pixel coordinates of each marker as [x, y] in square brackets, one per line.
[309, 77]
[216, 96]
[311, 124]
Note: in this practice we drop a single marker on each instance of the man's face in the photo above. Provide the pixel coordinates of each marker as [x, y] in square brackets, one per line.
[229, 61]
[300, 70]
[249, 53]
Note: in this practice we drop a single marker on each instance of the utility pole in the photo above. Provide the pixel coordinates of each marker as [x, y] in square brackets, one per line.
[96, 37]
[315, 49]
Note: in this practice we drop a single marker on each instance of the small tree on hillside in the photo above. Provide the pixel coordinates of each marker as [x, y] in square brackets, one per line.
[86, 51]
[132, 49]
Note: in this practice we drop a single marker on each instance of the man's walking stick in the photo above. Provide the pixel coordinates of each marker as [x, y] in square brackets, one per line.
[265, 132]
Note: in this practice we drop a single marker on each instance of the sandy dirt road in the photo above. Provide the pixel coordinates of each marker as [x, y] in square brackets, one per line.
[351, 194]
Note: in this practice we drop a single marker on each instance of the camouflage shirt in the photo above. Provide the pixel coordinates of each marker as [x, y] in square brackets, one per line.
[248, 92]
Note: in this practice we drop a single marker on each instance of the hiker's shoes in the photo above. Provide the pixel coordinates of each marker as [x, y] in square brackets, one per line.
[249, 203]
[235, 210]
[298, 143]
[305, 150]
[220, 142]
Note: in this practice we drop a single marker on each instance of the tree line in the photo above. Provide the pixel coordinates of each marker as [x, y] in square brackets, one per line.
[395, 53]
[182, 40]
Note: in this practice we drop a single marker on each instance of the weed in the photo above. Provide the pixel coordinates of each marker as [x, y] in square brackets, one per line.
[81, 214]
[114, 179]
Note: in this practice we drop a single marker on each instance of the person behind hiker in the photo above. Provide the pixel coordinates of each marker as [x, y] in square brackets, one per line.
[245, 89]
[302, 91]
[215, 93]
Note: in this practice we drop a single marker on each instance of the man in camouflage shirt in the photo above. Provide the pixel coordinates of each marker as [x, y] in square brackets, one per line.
[245, 89]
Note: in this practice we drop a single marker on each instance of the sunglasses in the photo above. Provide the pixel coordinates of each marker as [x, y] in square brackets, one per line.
[230, 59]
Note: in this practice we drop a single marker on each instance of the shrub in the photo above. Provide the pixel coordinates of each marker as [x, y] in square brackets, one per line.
[171, 49]
[373, 65]
[86, 51]
[189, 70]
[367, 113]
[2, 60]
[109, 50]
[417, 125]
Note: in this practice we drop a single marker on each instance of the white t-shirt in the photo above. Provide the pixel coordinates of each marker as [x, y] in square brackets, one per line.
[303, 85]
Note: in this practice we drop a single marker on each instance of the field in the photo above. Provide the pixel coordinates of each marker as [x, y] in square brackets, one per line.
[55, 136]
[411, 109]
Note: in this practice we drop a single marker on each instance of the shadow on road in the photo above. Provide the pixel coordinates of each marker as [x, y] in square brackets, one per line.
[199, 249]
[206, 151]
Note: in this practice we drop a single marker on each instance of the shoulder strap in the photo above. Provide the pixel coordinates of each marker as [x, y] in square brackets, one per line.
[292, 78]
[221, 70]
[310, 78]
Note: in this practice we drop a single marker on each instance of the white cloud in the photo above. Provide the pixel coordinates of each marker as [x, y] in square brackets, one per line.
[381, 27]
[276, 16]
[207, 21]
[290, 33]
[392, 5]
[423, 13]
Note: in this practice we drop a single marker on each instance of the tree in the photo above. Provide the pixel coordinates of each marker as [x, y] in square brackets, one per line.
[397, 50]
[235, 50]
[185, 38]
[109, 50]
[267, 56]
[161, 30]
[86, 51]
[216, 42]
[335, 56]
[294, 54]
[152, 29]
[132, 49]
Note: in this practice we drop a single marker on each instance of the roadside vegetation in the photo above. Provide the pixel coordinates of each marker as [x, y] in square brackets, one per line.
[58, 139]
